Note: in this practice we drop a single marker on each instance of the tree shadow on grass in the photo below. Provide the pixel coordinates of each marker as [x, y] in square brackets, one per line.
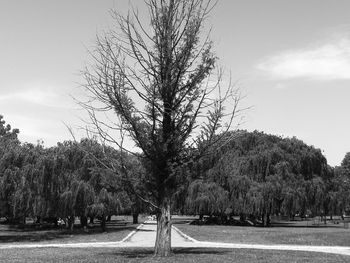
[182, 222]
[306, 224]
[145, 230]
[131, 253]
[30, 237]
[10, 235]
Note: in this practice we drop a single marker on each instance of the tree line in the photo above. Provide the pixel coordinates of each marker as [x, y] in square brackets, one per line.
[254, 175]
[257, 175]
[66, 181]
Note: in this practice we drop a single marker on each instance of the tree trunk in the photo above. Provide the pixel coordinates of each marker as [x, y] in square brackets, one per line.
[266, 219]
[56, 222]
[163, 239]
[223, 219]
[23, 220]
[135, 209]
[201, 217]
[135, 218]
[242, 217]
[83, 221]
[71, 220]
[103, 223]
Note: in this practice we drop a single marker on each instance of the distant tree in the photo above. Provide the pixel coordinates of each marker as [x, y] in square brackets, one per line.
[50, 184]
[6, 132]
[206, 198]
[340, 188]
[25, 197]
[64, 181]
[266, 175]
[345, 164]
[83, 190]
[10, 162]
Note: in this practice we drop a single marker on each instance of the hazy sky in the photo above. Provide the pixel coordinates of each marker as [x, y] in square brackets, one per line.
[291, 59]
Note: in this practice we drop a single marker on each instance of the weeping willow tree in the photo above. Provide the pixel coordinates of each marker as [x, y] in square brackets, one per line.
[162, 82]
[10, 162]
[266, 175]
[206, 198]
[81, 180]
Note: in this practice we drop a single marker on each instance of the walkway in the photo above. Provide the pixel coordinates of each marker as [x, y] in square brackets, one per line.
[145, 236]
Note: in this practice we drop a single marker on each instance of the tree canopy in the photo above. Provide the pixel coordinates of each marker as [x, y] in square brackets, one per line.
[65, 181]
[262, 175]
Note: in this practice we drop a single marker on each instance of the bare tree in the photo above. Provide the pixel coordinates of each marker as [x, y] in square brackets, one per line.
[162, 82]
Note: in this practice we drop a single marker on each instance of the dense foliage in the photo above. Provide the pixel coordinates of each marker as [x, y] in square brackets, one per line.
[253, 175]
[66, 181]
[257, 175]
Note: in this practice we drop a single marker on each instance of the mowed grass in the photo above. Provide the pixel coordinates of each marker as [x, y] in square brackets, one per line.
[298, 233]
[291, 233]
[117, 229]
[182, 255]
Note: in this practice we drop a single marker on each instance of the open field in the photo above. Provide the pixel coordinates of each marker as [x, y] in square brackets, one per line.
[117, 229]
[288, 233]
[291, 232]
[184, 255]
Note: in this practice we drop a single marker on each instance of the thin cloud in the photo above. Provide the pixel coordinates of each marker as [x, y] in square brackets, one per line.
[330, 61]
[41, 96]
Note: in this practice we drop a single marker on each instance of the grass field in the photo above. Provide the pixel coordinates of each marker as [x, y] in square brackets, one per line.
[287, 233]
[300, 233]
[180, 255]
[117, 229]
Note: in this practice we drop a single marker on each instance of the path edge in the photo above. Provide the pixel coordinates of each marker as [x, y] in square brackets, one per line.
[184, 235]
[132, 233]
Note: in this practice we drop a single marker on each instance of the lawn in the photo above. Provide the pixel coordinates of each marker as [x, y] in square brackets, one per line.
[117, 229]
[288, 233]
[182, 255]
[301, 233]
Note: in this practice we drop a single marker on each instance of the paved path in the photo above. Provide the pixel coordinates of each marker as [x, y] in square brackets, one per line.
[145, 236]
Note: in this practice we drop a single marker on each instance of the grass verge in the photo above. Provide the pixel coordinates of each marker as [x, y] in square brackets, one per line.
[182, 255]
[291, 234]
[117, 229]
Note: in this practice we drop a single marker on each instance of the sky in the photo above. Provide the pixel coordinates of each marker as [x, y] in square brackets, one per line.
[290, 58]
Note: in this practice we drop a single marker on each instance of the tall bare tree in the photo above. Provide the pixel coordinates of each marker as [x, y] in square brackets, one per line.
[162, 82]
